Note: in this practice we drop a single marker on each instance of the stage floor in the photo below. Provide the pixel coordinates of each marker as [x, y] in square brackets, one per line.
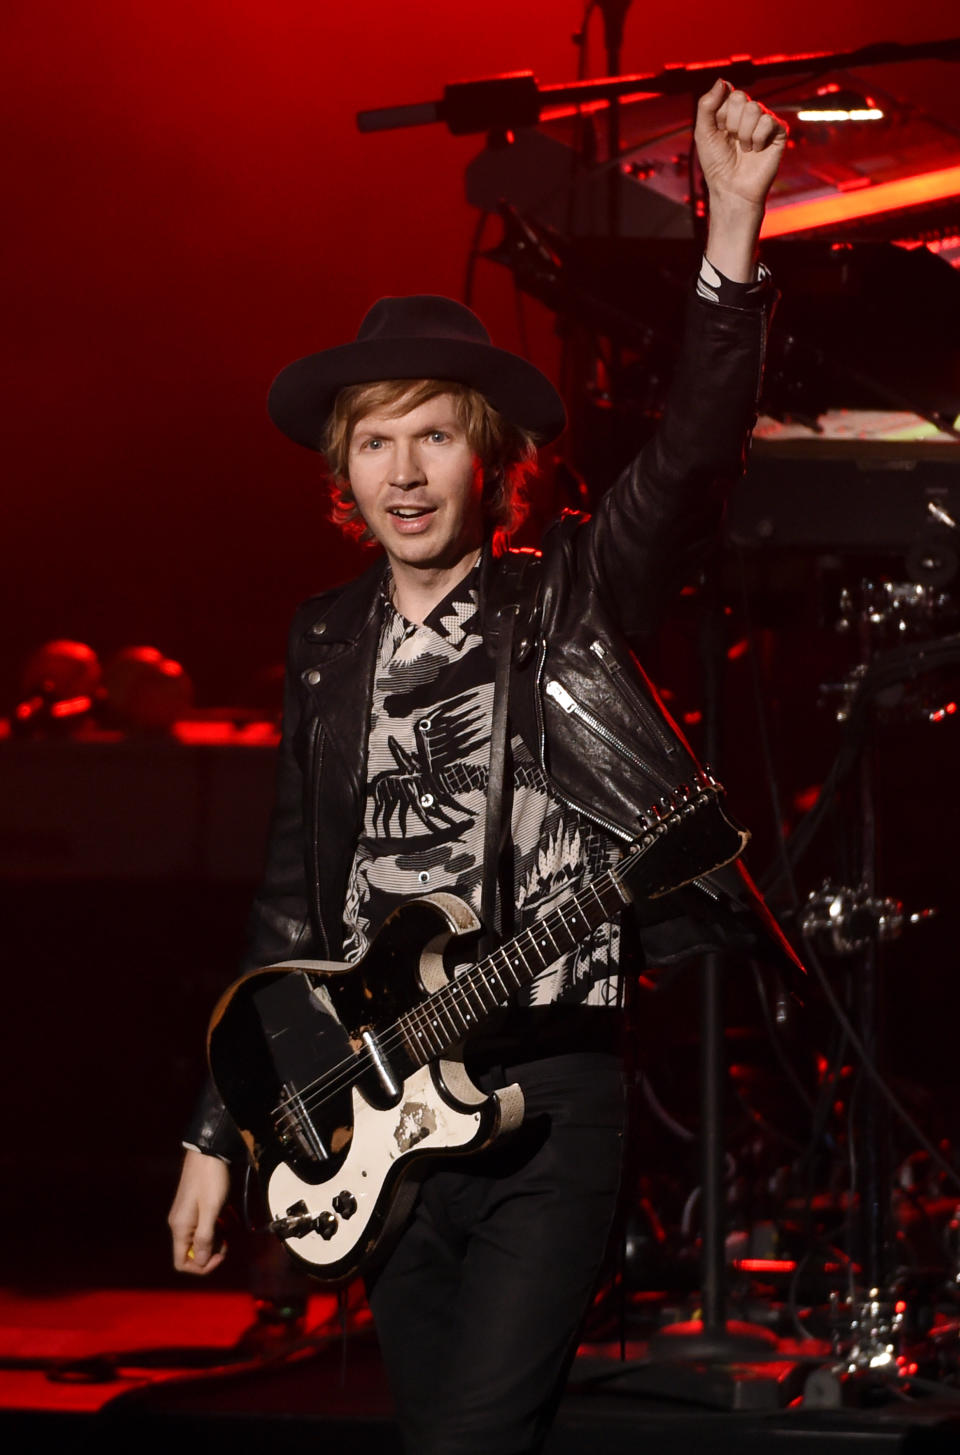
[107, 1370]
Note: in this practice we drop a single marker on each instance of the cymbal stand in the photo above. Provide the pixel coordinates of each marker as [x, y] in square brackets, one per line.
[868, 1330]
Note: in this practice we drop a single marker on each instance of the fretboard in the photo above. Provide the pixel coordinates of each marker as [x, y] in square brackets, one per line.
[444, 1018]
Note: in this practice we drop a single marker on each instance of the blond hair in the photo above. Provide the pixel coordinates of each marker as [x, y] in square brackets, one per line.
[507, 454]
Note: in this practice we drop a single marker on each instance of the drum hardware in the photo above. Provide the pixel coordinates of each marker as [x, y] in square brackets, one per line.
[901, 606]
[909, 674]
[867, 1334]
[841, 921]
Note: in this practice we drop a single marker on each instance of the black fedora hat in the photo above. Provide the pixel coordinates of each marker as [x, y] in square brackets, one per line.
[422, 337]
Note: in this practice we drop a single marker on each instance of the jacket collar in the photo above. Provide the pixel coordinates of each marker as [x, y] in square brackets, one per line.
[342, 617]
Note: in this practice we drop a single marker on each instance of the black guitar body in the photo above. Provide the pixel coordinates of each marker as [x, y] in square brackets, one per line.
[332, 1091]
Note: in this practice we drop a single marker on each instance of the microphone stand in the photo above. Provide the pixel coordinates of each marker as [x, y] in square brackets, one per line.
[614, 19]
[503, 103]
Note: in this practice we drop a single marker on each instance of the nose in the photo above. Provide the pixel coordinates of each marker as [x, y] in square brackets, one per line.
[407, 470]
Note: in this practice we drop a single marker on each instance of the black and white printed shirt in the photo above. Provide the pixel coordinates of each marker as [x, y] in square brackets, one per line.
[426, 792]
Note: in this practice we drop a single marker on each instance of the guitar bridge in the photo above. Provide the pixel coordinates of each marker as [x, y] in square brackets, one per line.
[293, 1127]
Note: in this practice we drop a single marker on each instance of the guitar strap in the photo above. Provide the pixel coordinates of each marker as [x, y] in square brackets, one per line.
[494, 820]
[503, 606]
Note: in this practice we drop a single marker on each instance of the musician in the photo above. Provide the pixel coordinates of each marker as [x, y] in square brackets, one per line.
[387, 779]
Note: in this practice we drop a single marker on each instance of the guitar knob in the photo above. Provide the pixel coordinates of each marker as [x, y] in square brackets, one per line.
[326, 1225]
[345, 1204]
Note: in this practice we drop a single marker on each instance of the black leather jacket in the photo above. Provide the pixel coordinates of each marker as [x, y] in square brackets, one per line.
[584, 708]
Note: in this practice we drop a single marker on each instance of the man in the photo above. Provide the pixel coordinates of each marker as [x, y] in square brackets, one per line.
[389, 772]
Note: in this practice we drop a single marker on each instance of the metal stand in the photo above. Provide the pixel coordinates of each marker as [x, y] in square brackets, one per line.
[712, 1340]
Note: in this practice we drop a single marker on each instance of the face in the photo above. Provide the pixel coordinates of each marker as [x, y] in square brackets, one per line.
[418, 485]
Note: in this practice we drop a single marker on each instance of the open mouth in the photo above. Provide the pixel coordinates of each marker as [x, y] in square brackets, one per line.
[410, 512]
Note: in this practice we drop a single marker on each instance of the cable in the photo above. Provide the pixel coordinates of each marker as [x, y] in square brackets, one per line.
[660, 1111]
[766, 750]
[872, 1071]
[794, 1285]
[472, 257]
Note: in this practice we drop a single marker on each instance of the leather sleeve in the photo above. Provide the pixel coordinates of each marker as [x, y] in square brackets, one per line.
[279, 923]
[654, 526]
[211, 1129]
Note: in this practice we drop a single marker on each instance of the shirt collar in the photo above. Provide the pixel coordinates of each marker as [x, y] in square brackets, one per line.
[454, 618]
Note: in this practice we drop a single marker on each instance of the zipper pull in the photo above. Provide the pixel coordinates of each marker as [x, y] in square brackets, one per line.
[559, 693]
[596, 648]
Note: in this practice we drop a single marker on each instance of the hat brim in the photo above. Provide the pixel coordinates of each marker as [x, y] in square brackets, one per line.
[302, 395]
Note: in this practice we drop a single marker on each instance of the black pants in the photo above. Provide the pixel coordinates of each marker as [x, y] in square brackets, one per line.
[479, 1305]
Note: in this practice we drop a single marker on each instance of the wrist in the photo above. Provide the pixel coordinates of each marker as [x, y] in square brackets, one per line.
[733, 238]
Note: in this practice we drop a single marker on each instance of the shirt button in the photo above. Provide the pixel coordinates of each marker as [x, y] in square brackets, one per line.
[423, 877]
[312, 677]
[426, 800]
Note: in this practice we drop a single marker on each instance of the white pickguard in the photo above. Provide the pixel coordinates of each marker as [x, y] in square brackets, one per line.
[422, 1119]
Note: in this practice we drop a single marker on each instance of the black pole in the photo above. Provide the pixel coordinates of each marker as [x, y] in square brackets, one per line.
[713, 1071]
[614, 19]
[713, 1342]
[871, 1125]
[713, 1292]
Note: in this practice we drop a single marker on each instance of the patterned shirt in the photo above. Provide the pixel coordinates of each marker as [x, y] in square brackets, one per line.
[426, 790]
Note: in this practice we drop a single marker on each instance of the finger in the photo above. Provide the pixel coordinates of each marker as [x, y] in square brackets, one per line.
[711, 101]
[769, 129]
[193, 1265]
[748, 122]
[201, 1248]
[182, 1227]
[728, 119]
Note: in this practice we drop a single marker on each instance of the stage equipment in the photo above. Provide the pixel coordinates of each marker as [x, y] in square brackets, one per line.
[144, 691]
[517, 99]
[605, 231]
[860, 497]
[58, 688]
[841, 921]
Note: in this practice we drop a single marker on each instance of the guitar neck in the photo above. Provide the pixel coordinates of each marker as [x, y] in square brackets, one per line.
[443, 1019]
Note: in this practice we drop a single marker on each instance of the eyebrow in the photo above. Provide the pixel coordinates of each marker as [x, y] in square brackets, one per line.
[428, 427]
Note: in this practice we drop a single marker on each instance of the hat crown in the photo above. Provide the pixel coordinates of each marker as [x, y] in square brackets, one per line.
[422, 316]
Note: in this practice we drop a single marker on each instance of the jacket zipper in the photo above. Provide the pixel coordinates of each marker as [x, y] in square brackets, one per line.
[570, 705]
[615, 829]
[612, 668]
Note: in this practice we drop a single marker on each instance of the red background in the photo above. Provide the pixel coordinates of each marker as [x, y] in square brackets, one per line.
[189, 206]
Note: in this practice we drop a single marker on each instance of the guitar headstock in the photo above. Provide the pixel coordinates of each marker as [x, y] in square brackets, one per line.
[684, 835]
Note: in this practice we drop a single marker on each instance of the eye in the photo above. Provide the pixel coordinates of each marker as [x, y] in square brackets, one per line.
[438, 436]
[373, 443]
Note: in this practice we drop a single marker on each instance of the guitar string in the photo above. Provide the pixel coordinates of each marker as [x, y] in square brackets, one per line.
[352, 1068]
[346, 1073]
[445, 998]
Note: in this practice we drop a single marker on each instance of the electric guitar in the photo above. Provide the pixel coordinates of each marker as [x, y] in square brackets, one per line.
[346, 1080]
